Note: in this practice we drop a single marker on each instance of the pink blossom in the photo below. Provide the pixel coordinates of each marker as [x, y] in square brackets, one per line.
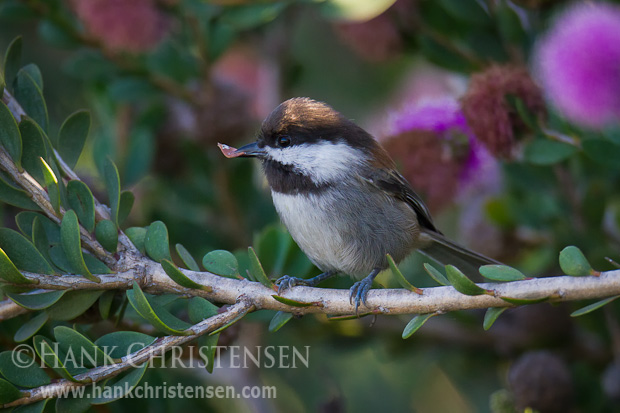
[123, 25]
[578, 63]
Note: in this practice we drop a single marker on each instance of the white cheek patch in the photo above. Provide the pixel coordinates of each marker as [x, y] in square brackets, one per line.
[322, 161]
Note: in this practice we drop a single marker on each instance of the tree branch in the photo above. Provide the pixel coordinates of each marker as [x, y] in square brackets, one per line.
[159, 347]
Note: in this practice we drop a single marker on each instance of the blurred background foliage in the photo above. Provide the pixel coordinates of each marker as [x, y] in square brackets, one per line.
[467, 95]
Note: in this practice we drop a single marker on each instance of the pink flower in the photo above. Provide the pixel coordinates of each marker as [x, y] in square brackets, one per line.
[578, 63]
[123, 25]
[438, 152]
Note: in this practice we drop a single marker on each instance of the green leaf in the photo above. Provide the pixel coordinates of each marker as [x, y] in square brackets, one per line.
[120, 386]
[180, 278]
[602, 151]
[415, 323]
[16, 197]
[72, 245]
[113, 185]
[221, 262]
[22, 253]
[256, 269]
[140, 154]
[249, 16]
[35, 73]
[105, 304]
[436, 275]
[461, 283]
[37, 301]
[125, 205]
[46, 352]
[595, 306]
[200, 309]
[73, 304]
[8, 392]
[10, 137]
[509, 23]
[30, 327]
[401, 278]
[444, 56]
[501, 273]
[25, 221]
[574, 263]
[95, 266]
[81, 200]
[491, 315]
[51, 184]
[37, 407]
[84, 350]
[354, 10]
[10, 273]
[156, 242]
[290, 302]
[30, 96]
[548, 152]
[12, 60]
[107, 235]
[468, 11]
[278, 321]
[158, 317]
[72, 136]
[187, 258]
[34, 147]
[21, 369]
[524, 301]
[137, 235]
[122, 343]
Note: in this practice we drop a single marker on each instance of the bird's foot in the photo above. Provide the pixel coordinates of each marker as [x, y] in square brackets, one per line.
[286, 282]
[360, 289]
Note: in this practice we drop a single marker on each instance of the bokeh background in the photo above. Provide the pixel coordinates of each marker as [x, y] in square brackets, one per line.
[502, 114]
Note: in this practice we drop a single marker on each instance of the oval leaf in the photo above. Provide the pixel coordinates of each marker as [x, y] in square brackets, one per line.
[435, 274]
[257, 270]
[113, 185]
[595, 306]
[491, 315]
[23, 253]
[137, 235]
[37, 301]
[156, 242]
[21, 369]
[415, 324]
[85, 351]
[574, 263]
[221, 262]
[10, 136]
[81, 200]
[125, 205]
[72, 136]
[187, 258]
[10, 273]
[180, 278]
[501, 273]
[461, 283]
[72, 245]
[30, 327]
[120, 386]
[8, 392]
[73, 304]
[16, 197]
[401, 278]
[122, 343]
[30, 96]
[34, 147]
[278, 321]
[107, 235]
[12, 60]
[158, 317]
[46, 352]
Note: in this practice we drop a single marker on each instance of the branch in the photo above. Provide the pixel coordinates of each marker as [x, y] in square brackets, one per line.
[159, 347]
[152, 279]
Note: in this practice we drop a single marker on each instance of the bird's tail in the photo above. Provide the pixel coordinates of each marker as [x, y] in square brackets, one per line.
[445, 251]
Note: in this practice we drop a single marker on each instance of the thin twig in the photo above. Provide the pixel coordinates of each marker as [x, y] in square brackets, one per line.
[159, 347]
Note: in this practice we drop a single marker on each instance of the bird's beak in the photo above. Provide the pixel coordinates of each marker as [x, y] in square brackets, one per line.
[250, 150]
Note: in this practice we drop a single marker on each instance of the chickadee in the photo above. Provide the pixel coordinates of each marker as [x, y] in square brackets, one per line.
[342, 200]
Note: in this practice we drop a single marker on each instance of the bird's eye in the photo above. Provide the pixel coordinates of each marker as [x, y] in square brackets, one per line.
[284, 141]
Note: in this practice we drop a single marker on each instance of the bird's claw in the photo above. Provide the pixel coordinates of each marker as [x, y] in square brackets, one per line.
[286, 282]
[359, 290]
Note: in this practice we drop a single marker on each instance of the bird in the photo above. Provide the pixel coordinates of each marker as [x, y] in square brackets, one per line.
[340, 196]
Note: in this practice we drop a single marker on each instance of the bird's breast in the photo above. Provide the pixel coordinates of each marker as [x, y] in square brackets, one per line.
[348, 230]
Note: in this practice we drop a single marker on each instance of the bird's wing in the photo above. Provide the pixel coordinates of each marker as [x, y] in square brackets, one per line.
[394, 184]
